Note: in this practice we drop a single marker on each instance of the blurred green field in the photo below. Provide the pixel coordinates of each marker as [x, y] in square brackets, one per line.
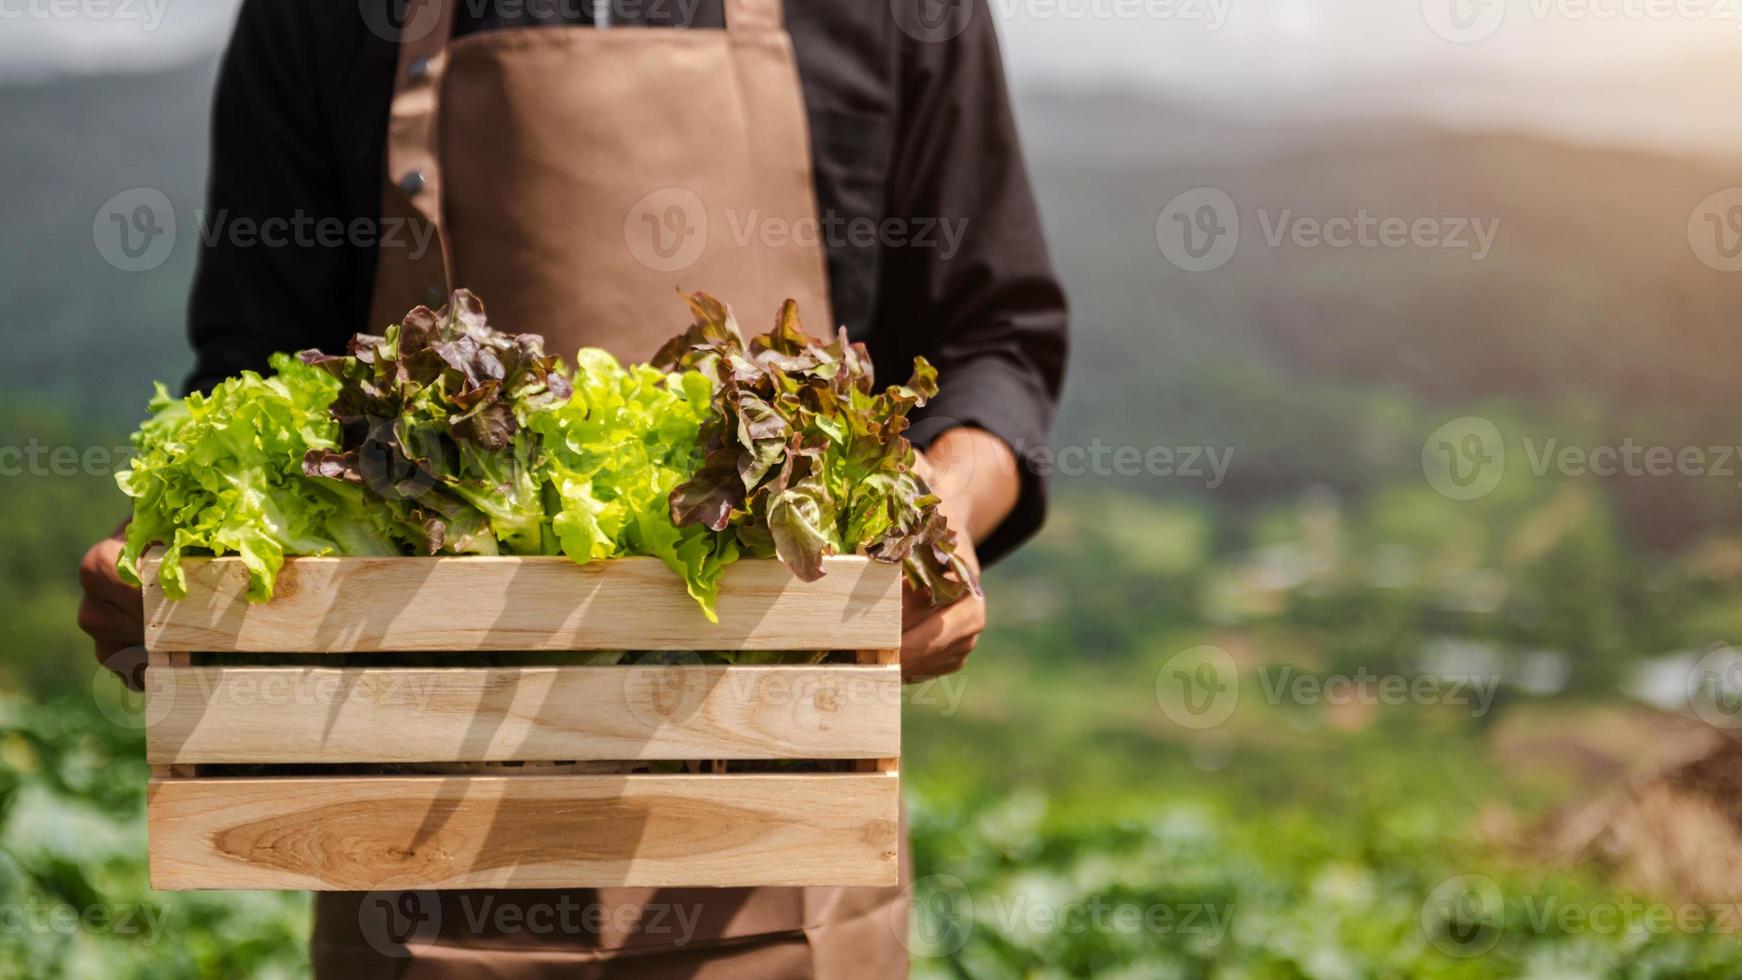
[1086, 800]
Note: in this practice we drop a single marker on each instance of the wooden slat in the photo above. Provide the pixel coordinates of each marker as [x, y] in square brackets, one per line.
[158, 667]
[365, 833]
[890, 660]
[343, 605]
[325, 715]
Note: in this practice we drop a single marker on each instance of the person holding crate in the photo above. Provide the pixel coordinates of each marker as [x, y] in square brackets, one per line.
[576, 162]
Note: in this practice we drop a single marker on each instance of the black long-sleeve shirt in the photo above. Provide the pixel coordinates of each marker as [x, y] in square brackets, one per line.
[904, 124]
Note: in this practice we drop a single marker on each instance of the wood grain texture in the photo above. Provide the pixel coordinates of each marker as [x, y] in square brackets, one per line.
[307, 715]
[891, 761]
[345, 605]
[359, 834]
[158, 667]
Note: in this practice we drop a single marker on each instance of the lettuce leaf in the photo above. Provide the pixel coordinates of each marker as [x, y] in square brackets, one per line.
[221, 474]
[804, 458]
[614, 452]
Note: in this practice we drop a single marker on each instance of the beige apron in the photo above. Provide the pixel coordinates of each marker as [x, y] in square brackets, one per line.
[576, 178]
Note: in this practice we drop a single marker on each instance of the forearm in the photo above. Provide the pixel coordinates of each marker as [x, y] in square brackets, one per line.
[974, 473]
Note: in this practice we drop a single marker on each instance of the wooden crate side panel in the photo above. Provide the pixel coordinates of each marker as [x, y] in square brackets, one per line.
[889, 761]
[344, 605]
[267, 715]
[368, 833]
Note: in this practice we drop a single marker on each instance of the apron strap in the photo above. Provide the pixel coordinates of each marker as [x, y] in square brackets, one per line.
[754, 15]
[412, 169]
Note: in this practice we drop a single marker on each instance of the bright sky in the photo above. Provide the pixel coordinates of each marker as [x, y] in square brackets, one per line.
[1643, 70]
[1649, 71]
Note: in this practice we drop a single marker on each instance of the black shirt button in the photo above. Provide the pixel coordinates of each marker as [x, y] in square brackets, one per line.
[418, 70]
[413, 182]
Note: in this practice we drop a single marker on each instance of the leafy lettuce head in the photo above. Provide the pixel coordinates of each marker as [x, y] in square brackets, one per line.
[221, 473]
[804, 458]
[432, 420]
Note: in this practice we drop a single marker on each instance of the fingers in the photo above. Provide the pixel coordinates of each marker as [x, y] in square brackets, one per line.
[128, 664]
[99, 577]
[939, 664]
[940, 628]
[110, 626]
[111, 612]
[939, 643]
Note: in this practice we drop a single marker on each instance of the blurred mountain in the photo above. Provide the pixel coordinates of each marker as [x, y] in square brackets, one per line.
[1591, 312]
[73, 316]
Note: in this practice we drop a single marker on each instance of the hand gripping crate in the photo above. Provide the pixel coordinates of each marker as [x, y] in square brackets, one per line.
[273, 769]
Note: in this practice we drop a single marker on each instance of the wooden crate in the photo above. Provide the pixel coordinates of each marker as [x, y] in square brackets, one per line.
[509, 791]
